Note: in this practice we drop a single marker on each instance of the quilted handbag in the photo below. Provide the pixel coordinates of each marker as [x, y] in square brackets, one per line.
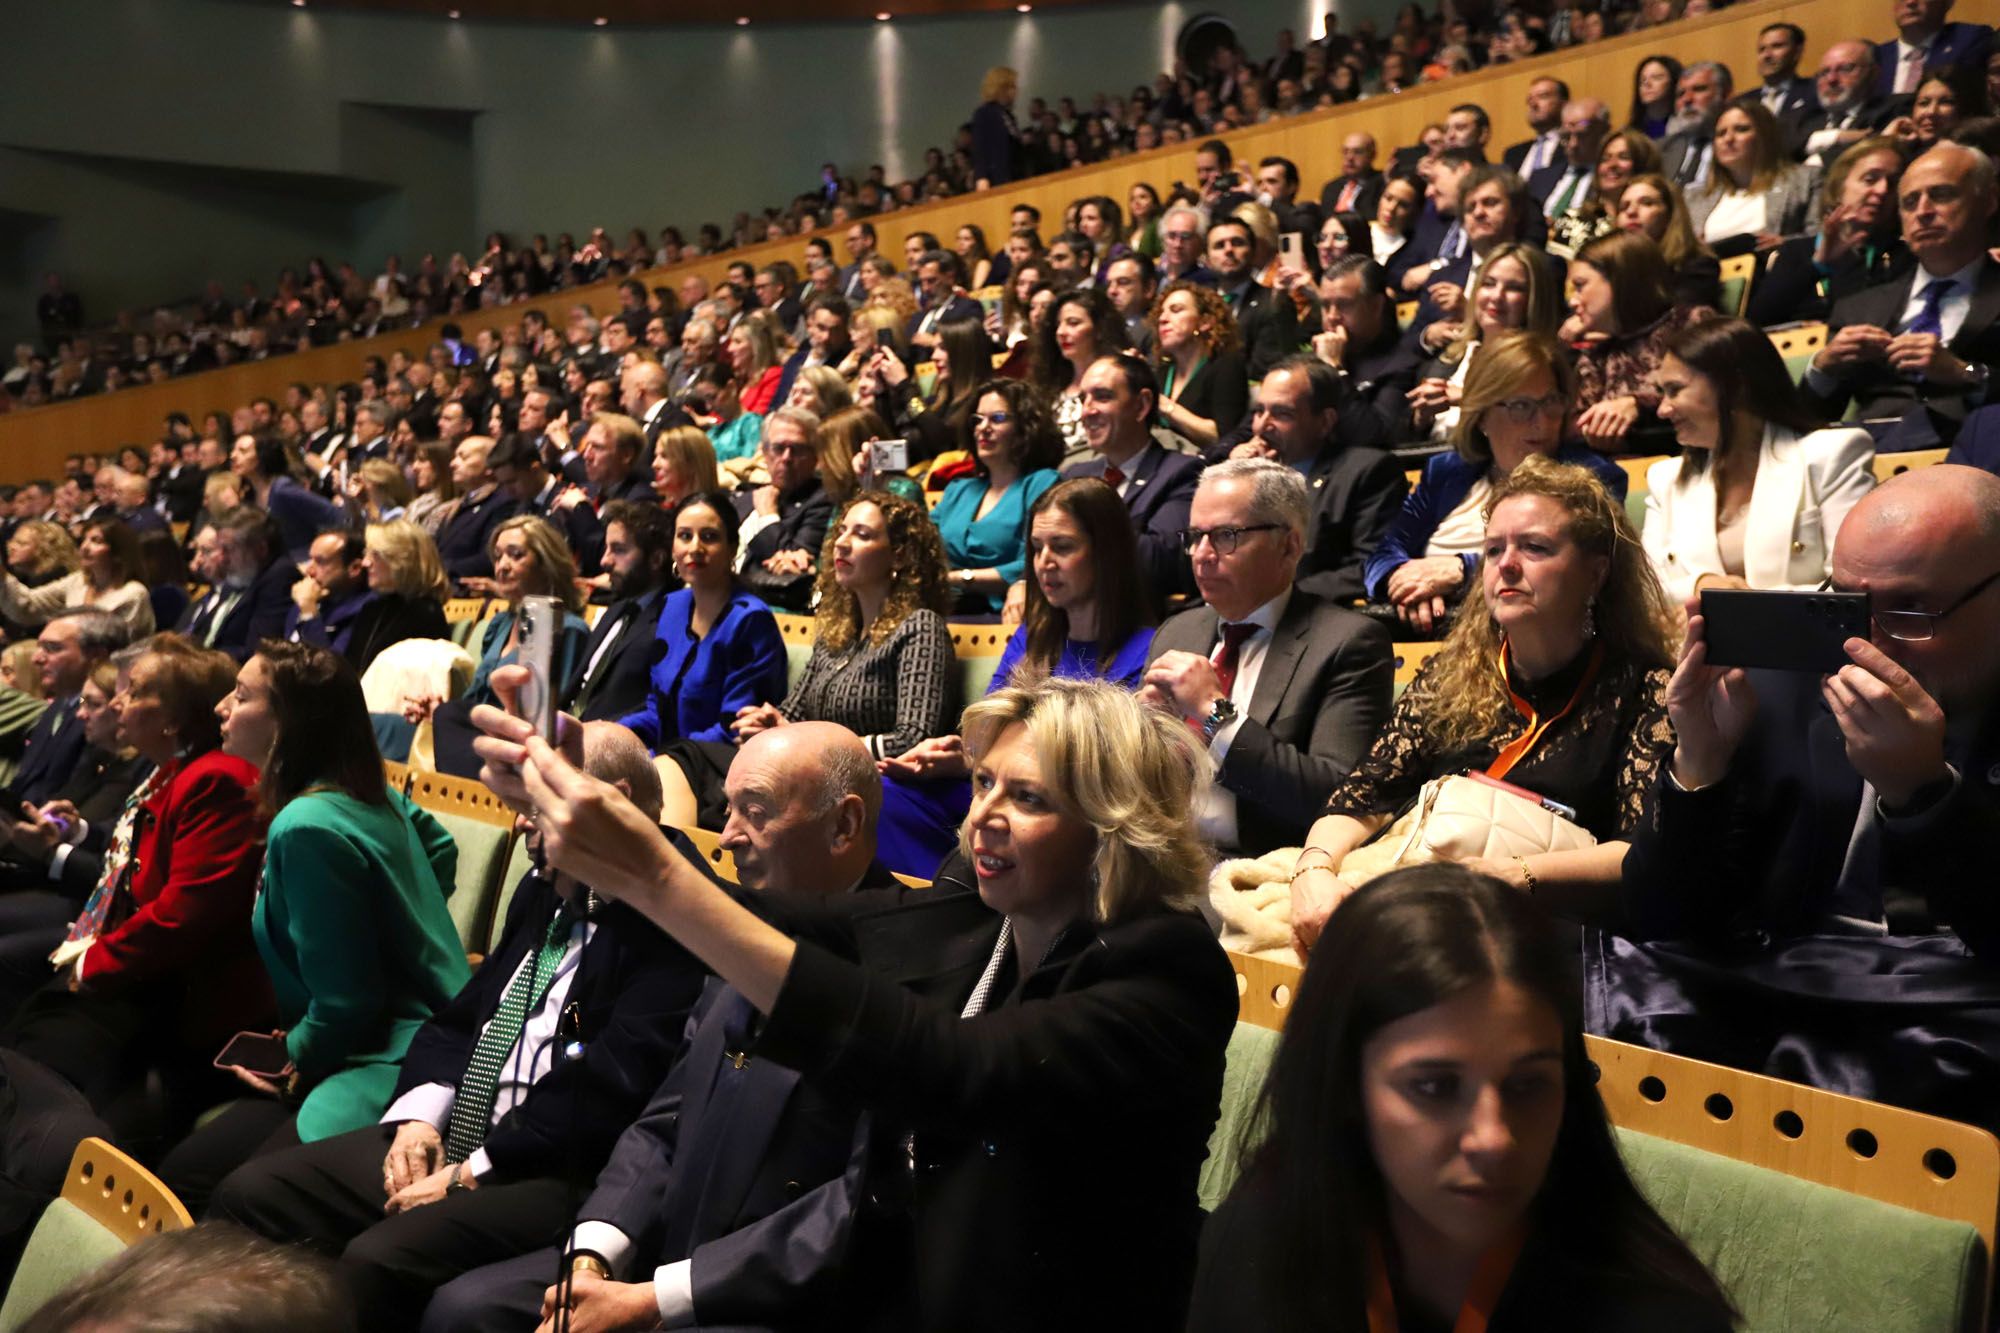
[1463, 818]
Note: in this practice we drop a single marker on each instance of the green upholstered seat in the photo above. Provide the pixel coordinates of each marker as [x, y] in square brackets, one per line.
[66, 1243]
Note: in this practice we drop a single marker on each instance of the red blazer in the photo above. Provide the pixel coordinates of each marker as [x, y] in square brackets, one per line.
[199, 849]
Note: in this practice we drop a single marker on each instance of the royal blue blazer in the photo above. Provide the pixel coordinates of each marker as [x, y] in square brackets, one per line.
[699, 684]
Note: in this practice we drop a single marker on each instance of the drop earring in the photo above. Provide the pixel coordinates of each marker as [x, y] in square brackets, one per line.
[1590, 620]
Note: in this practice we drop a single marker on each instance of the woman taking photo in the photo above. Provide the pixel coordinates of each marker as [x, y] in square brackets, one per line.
[1081, 326]
[1086, 615]
[1434, 1146]
[1516, 289]
[1553, 677]
[409, 588]
[1857, 244]
[1511, 410]
[982, 519]
[882, 663]
[1204, 387]
[1755, 196]
[106, 577]
[1057, 1101]
[1623, 313]
[351, 922]
[1759, 490]
[1651, 206]
[720, 653]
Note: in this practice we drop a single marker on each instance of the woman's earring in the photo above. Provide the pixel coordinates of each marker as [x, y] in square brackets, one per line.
[1590, 620]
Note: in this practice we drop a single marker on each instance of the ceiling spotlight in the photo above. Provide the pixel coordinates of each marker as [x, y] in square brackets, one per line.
[451, 13]
[743, 22]
[601, 22]
[882, 17]
[1024, 9]
[298, 4]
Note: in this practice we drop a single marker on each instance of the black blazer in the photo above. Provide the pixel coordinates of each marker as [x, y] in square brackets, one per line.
[1056, 1139]
[579, 525]
[50, 754]
[98, 789]
[1871, 116]
[620, 683]
[957, 308]
[1322, 694]
[1162, 488]
[1378, 383]
[1879, 390]
[803, 519]
[1220, 391]
[260, 613]
[1978, 442]
[1790, 287]
[389, 619]
[462, 538]
[1356, 494]
[630, 996]
[1268, 324]
[1365, 198]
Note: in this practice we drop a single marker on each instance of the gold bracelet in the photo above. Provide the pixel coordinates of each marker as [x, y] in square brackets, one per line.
[579, 1262]
[1327, 866]
[1534, 885]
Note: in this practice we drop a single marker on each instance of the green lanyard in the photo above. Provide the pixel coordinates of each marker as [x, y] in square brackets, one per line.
[1172, 368]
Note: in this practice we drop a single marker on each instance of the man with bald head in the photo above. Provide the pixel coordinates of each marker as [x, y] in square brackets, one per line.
[1915, 353]
[1569, 181]
[668, 1235]
[1358, 187]
[1822, 848]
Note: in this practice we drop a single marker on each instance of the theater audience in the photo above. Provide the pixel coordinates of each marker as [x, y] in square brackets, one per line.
[1836, 815]
[1652, 206]
[406, 587]
[1758, 491]
[1855, 245]
[1204, 389]
[1755, 196]
[253, 593]
[350, 922]
[157, 970]
[1368, 1196]
[260, 461]
[1286, 687]
[933, 422]
[107, 577]
[1913, 355]
[516, 466]
[1945, 99]
[1070, 778]
[1119, 394]
[1082, 326]
[882, 663]
[491, 1126]
[1623, 314]
[785, 520]
[752, 354]
[982, 519]
[1567, 625]
[1267, 322]
[1849, 108]
[67, 649]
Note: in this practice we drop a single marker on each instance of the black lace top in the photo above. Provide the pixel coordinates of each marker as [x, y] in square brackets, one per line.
[1602, 759]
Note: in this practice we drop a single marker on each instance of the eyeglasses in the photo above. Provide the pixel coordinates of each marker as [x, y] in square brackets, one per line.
[1224, 540]
[1521, 411]
[1921, 626]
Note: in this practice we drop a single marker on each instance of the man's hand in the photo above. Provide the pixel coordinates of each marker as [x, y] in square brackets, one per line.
[416, 1152]
[1188, 680]
[1893, 728]
[1253, 448]
[1924, 356]
[1331, 346]
[1711, 709]
[795, 561]
[428, 1190]
[1448, 297]
[764, 500]
[1853, 345]
[570, 498]
[34, 834]
[1605, 424]
[305, 596]
[600, 1306]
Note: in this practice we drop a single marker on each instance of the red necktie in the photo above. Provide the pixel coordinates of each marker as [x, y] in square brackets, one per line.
[1114, 476]
[1345, 204]
[1228, 659]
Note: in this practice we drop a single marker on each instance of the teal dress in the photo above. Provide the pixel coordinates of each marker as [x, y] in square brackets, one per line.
[353, 929]
[738, 438]
[996, 540]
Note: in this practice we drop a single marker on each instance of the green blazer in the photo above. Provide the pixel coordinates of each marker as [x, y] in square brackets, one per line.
[353, 929]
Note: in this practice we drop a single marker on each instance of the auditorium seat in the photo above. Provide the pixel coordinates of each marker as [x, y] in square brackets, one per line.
[108, 1201]
[483, 828]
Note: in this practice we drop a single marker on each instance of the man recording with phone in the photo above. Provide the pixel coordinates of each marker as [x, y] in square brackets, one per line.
[1814, 887]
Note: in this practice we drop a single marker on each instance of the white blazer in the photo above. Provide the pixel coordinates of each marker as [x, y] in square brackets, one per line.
[1805, 486]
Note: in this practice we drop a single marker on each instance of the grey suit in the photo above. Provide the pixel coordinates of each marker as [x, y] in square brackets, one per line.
[1322, 693]
[1788, 204]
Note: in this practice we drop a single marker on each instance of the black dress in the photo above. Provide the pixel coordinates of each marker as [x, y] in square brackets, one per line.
[1219, 390]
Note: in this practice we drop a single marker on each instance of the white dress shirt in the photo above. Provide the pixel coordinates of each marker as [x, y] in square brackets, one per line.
[1217, 816]
[1541, 154]
[532, 1057]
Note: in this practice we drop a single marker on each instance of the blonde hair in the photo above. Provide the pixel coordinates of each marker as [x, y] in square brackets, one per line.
[553, 560]
[894, 294]
[763, 345]
[829, 387]
[53, 546]
[212, 489]
[1501, 367]
[1545, 298]
[888, 325]
[692, 454]
[1636, 624]
[19, 658]
[997, 81]
[1129, 771]
[1261, 221]
[387, 480]
[841, 436]
[415, 569]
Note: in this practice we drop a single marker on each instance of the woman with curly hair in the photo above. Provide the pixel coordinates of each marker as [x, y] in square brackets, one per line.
[1082, 327]
[882, 664]
[983, 518]
[1204, 388]
[1554, 678]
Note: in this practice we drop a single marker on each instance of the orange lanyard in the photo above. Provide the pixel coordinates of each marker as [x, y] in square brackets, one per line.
[1488, 1281]
[1517, 749]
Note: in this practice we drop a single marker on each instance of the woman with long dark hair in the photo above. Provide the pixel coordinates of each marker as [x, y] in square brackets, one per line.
[351, 922]
[1433, 1145]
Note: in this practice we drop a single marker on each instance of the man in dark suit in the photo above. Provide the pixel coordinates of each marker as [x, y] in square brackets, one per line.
[1358, 187]
[731, 1200]
[493, 1123]
[1926, 39]
[481, 507]
[1377, 365]
[68, 647]
[254, 597]
[1848, 110]
[328, 599]
[1278, 190]
[1267, 323]
[826, 342]
[517, 469]
[1687, 155]
[941, 283]
[613, 467]
[1572, 178]
[1841, 825]
[624, 644]
[1120, 399]
[1918, 350]
[1785, 93]
[860, 245]
[1436, 239]
[1287, 689]
[642, 391]
[1546, 99]
[1978, 442]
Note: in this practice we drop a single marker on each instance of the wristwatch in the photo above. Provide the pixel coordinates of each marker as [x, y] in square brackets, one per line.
[583, 1259]
[1219, 716]
[455, 1182]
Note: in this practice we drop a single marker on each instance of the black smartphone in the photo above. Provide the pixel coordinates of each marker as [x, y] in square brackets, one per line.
[261, 1053]
[1782, 630]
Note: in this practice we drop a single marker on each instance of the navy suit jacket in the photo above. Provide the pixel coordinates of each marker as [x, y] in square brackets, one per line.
[578, 524]
[1162, 489]
[463, 537]
[957, 308]
[260, 613]
[1978, 442]
[50, 753]
[1955, 44]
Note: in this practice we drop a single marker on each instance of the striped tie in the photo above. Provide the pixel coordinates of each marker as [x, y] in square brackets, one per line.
[472, 1109]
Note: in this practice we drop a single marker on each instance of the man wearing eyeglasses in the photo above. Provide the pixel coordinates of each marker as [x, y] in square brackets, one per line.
[1915, 353]
[1286, 688]
[1817, 881]
[1849, 111]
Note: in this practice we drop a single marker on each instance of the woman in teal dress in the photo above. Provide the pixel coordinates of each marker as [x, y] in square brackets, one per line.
[983, 518]
[351, 921]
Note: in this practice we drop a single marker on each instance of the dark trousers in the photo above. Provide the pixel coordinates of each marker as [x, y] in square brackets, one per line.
[329, 1195]
[32, 923]
[499, 1296]
[249, 1127]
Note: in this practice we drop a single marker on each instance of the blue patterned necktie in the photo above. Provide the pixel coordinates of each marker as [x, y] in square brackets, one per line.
[1930, 318]
[472, 1109]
